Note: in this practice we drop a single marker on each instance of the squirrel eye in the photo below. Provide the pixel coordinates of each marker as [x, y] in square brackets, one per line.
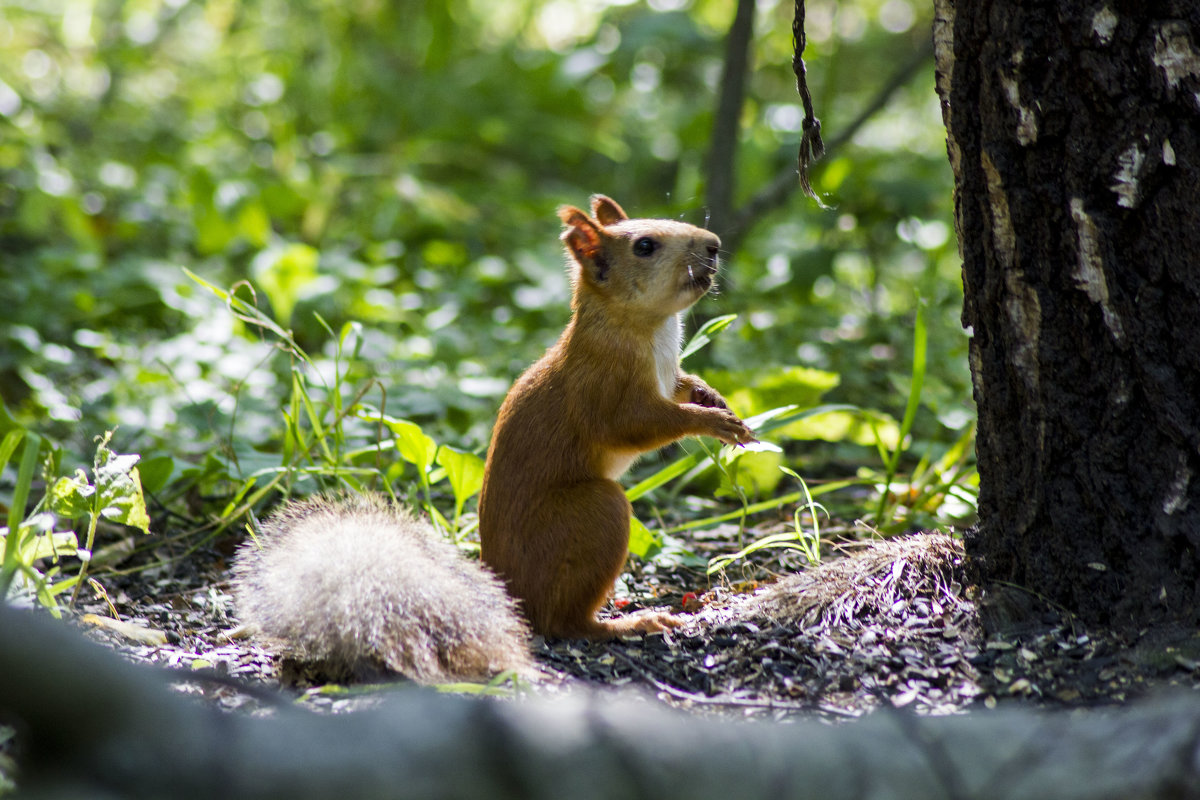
[644, 246]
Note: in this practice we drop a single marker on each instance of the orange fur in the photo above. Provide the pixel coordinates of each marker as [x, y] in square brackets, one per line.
[554, 523]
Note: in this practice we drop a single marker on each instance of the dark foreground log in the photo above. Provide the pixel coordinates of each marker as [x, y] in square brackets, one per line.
[90, 724]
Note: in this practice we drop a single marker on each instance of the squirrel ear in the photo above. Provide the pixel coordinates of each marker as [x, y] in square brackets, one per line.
[582, 237]
[572, 216]
[606, 210]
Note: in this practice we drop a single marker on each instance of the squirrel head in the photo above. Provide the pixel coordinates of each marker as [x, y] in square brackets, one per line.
[639, 268]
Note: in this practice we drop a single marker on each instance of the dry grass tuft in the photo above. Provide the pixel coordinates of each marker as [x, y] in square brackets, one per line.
[891, 579]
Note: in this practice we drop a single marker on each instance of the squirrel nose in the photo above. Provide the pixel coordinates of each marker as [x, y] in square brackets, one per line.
[713, 250]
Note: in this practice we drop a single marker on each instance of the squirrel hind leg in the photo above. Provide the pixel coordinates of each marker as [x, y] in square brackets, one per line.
[561, 591]
[641, 622]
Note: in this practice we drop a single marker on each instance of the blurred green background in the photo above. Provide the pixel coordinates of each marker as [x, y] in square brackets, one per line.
[398, 164]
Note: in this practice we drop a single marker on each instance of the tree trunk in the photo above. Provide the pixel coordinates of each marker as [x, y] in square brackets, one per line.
[1074, 135]
[727, 123]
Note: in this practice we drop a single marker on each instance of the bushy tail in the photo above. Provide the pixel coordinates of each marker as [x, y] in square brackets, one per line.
[358, 583]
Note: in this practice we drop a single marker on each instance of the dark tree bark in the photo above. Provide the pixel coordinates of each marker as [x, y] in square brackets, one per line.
[1074, 135]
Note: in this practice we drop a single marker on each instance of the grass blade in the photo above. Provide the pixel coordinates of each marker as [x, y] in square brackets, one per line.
[916, 385]
[16, 510]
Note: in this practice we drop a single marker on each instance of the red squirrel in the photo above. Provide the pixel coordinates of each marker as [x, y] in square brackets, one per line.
[360, 585]
[553, 521]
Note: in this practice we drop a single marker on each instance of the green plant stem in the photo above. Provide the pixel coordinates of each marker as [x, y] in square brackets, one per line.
[93, 521]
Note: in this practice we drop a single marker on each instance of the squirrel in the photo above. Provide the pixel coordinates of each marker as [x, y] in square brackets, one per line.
[553, 521]
[360, 585]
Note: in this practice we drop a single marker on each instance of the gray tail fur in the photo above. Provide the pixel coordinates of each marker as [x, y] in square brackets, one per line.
[359, 584]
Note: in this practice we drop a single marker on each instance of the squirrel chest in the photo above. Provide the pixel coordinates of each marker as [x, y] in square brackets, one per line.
[665, 350]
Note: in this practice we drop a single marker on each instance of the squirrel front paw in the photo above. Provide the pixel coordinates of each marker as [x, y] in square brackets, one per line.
[704, 395]
[730, 429]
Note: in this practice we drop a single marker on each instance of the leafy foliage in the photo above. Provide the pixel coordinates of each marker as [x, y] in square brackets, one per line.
[114, 493]
[374, 183]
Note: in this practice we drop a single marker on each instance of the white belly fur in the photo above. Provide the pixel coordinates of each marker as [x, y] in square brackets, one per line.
[667, 340]
[617, 464]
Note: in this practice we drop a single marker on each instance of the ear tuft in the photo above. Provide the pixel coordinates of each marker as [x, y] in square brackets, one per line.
[606, 211]
[583, 237]
[571, 216]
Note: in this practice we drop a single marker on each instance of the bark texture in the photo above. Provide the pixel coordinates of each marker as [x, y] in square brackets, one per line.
[1074, 135]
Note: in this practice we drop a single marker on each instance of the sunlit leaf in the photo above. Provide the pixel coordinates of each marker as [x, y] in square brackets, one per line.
[843, 426]
[51, 545]
[465, 472]
[71, 497]
[284, 272]
[757, 471]
[254, 224]
[119, 489]
[753, 391]
[704, 334]
[641, 539]
[412, 443]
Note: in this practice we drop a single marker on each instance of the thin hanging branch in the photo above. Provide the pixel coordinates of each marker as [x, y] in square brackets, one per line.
[811, 146]
[776, 193]
[727, 123]
[731, 223]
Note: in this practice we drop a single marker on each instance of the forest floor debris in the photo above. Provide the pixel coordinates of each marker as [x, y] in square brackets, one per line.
[881, 623]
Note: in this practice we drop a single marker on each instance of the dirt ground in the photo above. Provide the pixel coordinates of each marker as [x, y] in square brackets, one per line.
[879, 623]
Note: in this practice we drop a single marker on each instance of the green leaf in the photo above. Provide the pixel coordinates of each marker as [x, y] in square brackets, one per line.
[668, 473]
[764, 505]
[71, 498]
[213, 233]
[920, 352]
[892, 460]
[8, 445]
[155, 472]
[355, 329]
[285, 273]
[704, 334]
[248, 313]
[16, 511]
[13, 541]
[757, 468]
[846, 425]
[641, 540]
[753, 391]
[52, 545]
[7, 424]
[788, 541]
[254, 224]
[412, 443]
[119, 488]
[465, 472]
